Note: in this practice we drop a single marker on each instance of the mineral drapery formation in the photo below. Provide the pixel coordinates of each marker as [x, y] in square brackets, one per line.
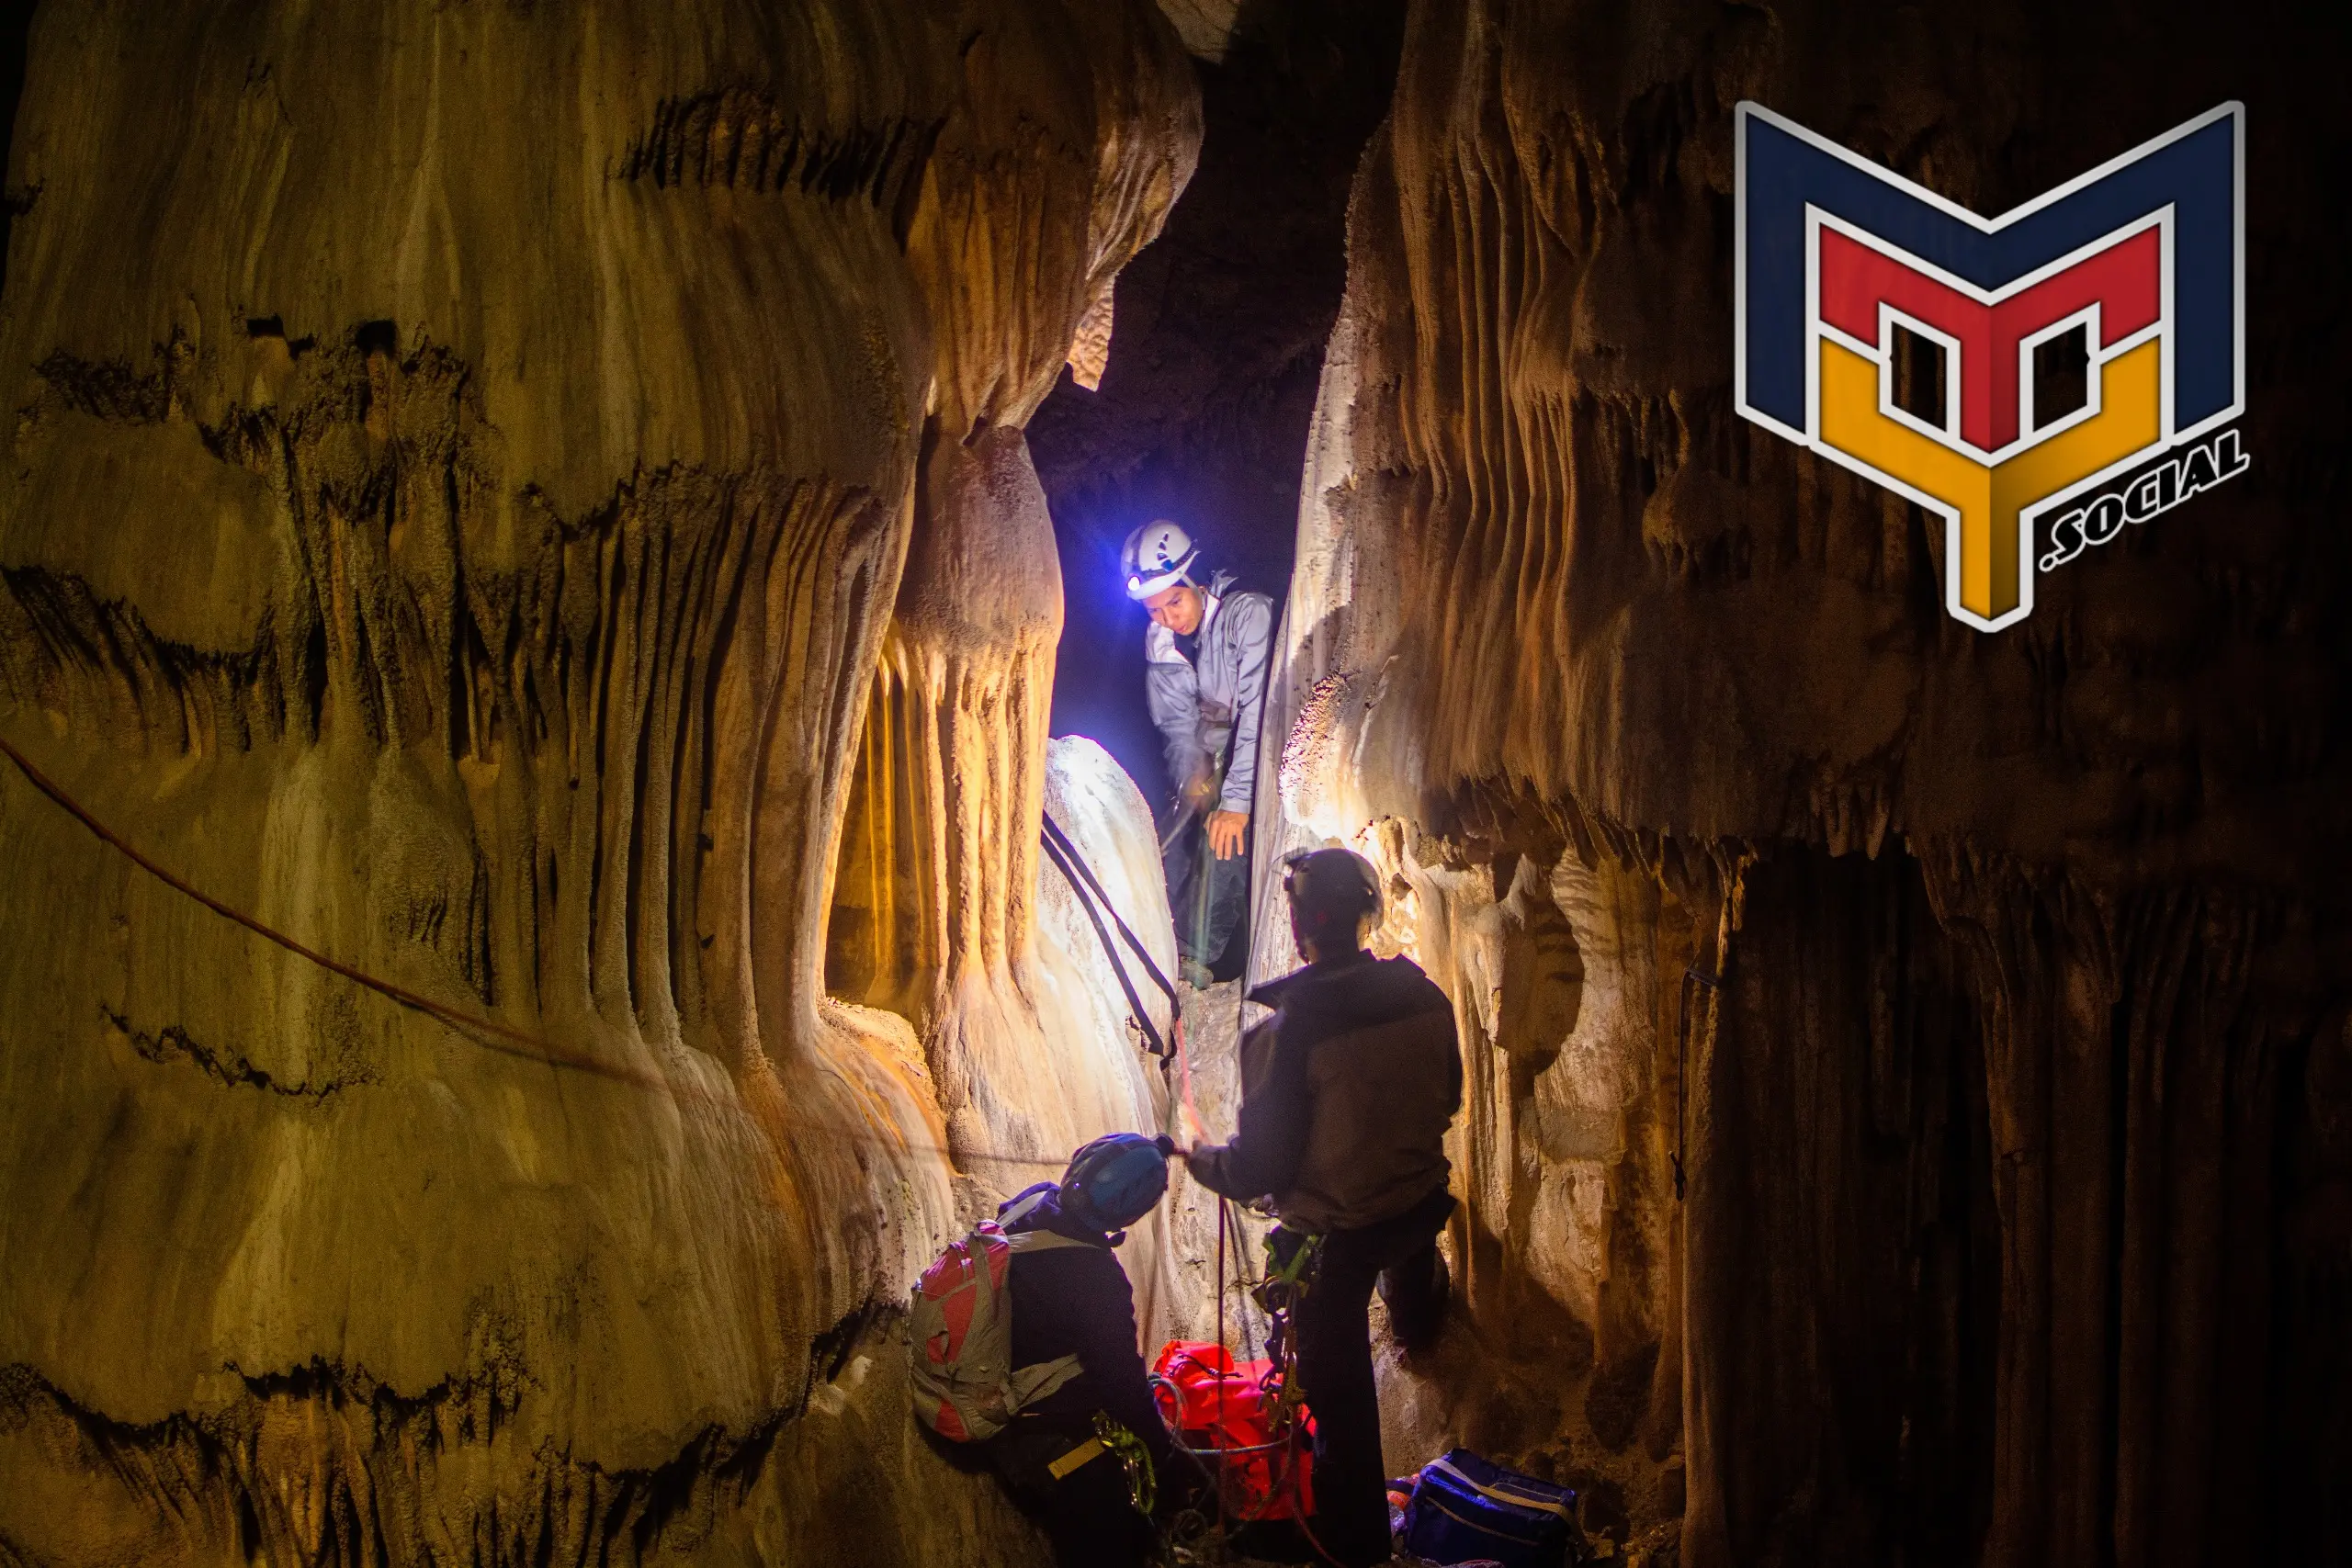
[472, 469]
[1981, 998]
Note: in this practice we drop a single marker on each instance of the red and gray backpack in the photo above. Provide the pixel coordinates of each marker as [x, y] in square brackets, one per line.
[959, 1347]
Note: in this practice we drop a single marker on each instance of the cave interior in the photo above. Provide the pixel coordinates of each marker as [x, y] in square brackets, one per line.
[556, 563]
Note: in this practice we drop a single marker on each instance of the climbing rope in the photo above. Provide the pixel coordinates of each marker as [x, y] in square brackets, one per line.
[502, 1039]
[453, 1017]
[1097, 903]
[1221, 1451]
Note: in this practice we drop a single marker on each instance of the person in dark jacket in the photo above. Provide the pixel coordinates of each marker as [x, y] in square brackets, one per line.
[1347, 1092]
[1076, 1301]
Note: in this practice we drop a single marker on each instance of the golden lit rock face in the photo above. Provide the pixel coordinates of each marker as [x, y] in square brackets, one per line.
[466, 467]
[942, 845]
[1999, 1136]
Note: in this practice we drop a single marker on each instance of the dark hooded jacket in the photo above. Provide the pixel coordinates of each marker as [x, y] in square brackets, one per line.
[1076, 1301]
[1346, 1095]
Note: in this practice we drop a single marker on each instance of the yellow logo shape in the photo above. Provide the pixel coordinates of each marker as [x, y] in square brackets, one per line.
[1990, 533]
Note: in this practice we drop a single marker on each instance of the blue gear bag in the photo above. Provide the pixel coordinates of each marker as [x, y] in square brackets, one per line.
[1465, 1508]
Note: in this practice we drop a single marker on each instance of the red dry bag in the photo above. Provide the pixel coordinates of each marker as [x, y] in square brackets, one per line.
[1231, 1417]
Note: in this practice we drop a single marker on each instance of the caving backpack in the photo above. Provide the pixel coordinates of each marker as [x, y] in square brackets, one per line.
[959, 1344]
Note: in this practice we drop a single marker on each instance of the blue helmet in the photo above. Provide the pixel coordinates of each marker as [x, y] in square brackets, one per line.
[1115, 1180]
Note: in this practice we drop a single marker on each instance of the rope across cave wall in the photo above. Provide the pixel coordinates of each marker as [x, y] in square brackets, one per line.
[486, 1033]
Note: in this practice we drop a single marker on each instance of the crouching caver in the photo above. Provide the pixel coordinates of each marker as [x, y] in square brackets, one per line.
[1205, 677]
[1074, 1456]
[1347, 1092]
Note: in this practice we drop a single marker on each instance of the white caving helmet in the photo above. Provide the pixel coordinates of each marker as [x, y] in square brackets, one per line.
[1155, 556]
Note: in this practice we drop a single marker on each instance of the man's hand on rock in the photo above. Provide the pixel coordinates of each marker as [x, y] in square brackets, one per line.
[1226, 829]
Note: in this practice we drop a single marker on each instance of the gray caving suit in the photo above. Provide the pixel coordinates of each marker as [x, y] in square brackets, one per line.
[1205, 700]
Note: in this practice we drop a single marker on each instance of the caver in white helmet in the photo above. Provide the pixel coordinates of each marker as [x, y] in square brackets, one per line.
[1155, 556]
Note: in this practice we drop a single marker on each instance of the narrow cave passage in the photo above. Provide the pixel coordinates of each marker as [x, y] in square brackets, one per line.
[1219, 332]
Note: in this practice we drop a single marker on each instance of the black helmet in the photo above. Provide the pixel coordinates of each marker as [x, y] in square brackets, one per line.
[1331, 888]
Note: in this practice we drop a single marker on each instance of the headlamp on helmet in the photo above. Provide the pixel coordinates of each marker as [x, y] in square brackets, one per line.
[1154, 558]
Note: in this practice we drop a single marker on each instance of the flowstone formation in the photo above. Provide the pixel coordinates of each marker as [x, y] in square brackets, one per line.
[1908, 1066]
[481, 479]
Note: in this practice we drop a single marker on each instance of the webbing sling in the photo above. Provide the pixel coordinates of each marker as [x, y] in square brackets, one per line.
[1167, 986]
[1080, 877]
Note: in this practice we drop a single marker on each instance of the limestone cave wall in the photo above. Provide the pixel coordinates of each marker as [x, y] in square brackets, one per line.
[1908, 1109]
[480, 479]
